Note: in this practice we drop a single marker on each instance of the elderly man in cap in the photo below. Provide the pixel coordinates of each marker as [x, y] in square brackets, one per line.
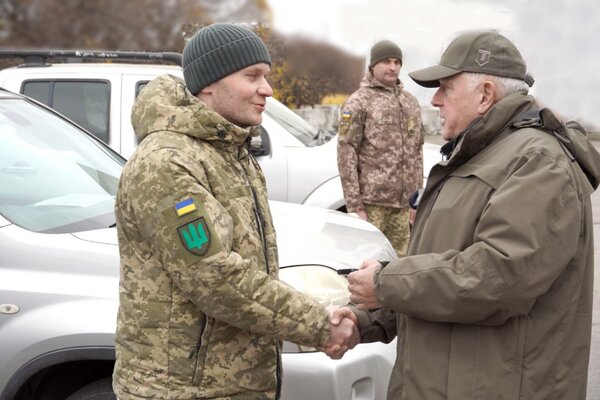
[494, 300]
[202, 313]
[380, 147]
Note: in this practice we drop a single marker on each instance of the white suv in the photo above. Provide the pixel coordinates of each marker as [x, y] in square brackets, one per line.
[299, 161]
[59, 269]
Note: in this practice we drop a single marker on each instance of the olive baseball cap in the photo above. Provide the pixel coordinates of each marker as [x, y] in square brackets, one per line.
[486, 52]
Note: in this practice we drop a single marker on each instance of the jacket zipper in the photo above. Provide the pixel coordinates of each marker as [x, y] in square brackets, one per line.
[257, 214]
[279, 372]
[198, 344]
[197, 378]
[261, 228]
[261, 232]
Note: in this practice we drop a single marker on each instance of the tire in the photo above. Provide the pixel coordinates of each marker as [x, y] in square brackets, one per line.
[97, 390]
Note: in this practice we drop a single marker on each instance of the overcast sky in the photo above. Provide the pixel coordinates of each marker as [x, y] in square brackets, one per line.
[559, 39]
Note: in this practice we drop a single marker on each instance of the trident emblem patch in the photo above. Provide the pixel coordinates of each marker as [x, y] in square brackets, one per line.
[195, 236]
[483, 57]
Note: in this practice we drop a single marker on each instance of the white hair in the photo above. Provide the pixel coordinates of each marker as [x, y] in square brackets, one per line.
[505, 86]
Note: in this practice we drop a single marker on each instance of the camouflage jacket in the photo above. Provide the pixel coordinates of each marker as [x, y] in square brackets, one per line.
[201, 311]
[380, 146]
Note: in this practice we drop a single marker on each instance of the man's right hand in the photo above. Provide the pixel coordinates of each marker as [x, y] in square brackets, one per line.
[344, 333]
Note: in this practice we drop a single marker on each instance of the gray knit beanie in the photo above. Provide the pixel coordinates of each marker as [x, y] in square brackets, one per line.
[219, 50]
[384, 49]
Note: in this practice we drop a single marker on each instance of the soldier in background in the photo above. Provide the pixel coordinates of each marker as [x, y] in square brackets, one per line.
[202, 313]
[380, 147]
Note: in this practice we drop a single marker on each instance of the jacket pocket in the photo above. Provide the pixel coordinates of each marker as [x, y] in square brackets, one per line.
[201, 350]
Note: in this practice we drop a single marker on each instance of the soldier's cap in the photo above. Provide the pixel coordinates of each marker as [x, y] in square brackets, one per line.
[384, 49]
[484, 52]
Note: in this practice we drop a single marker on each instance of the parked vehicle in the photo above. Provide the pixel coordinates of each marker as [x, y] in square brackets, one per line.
[59, 268]
[298, 160]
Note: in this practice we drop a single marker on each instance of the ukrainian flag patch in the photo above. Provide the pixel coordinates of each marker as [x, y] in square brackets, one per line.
[185, 207]
[346, 115]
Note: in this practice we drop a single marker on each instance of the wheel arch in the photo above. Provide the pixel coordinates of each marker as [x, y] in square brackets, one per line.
[33, 372]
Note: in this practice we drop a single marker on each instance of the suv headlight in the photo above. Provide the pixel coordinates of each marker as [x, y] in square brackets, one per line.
[321, 283]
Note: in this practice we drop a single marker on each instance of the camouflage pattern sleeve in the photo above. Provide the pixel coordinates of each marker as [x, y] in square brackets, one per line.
[350, 136]
[414, 142]
[419, 149]
[193, 235]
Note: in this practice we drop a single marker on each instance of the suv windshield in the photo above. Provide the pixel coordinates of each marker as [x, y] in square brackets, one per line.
[293, 123]
[53, 178]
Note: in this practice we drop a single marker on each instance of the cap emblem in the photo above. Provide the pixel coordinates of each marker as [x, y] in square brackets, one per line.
[483, 57]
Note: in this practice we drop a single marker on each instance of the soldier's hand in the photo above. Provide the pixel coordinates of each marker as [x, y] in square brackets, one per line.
[362, 215]
[337, 314]
[412, 214]
[344, 334]
[342, 338]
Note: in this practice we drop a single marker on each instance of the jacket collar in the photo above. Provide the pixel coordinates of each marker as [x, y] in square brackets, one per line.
[485, 129]
[513, 112]
[166, 105]
[369, 81]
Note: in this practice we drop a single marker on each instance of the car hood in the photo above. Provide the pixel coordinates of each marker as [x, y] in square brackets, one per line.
[311, 235]
[104, 236]
[307, 235]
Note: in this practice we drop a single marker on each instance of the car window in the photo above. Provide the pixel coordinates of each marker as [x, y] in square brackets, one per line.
[139, 86]
[293, 123]
[53, 177]
[289, 120]
[85, 102]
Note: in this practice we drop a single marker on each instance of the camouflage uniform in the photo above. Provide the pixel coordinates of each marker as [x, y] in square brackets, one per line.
[380, 154]
[201, 311]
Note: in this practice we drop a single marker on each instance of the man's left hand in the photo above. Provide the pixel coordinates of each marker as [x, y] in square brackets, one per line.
[362, 287]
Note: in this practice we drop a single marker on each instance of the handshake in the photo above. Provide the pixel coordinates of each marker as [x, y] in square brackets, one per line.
[344, 333]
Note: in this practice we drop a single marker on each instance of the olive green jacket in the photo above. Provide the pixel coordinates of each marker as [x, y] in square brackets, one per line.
[494, 300]
[201, 310]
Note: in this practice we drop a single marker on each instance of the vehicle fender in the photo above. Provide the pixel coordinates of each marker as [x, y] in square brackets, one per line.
[64, 338]
[327, 195]
[53, 358]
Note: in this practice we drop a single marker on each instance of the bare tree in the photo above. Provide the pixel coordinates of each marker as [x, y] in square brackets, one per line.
[114, 24]
[303, 71]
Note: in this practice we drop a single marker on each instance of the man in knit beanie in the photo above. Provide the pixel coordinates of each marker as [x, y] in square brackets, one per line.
[202, 313]
[380, 147]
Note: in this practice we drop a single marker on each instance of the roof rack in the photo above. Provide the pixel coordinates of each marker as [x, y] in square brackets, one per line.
[37, 57]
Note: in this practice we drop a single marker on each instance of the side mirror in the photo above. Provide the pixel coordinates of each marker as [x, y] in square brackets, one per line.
[260, 145]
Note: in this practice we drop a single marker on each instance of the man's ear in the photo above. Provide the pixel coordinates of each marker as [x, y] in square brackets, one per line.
[488, 97]
[207, 89]
[205, 94]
